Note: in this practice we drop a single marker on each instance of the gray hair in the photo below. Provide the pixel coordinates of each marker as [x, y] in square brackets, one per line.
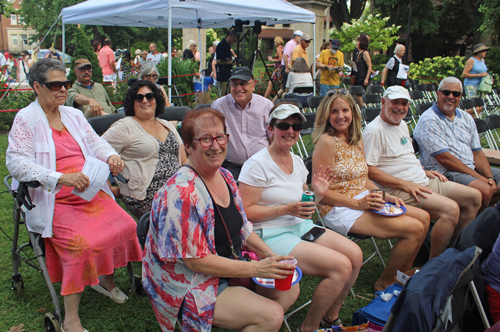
[397, 48]
[449, 79]
[38, 73]
[149, 68]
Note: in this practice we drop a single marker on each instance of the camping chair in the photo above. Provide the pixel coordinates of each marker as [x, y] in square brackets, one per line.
[101, 123]
[484, 132]
[294, 101]
[372, 99]
[301, 93]
[20, 252]
[314, 102]
[434, 299]
[378, 89]
[305, 150]
[174, 113]
[421, 108]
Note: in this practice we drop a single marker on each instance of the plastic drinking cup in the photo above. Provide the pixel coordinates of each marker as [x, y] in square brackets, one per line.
[378, 191]
[285, 284]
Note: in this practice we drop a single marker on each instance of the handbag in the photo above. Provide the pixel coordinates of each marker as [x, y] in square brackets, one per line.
[245, 255]
[486, 84]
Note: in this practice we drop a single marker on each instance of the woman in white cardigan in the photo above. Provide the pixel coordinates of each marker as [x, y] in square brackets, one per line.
[151, 147]
[84, 241]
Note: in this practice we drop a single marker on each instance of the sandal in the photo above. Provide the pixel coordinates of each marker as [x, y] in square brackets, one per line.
[116, 294]
[325, 324]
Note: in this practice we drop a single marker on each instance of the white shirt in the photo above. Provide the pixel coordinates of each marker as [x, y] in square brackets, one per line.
[155, 58]
[31, 156]
[278, 188]
[389, 148]
[298, 79]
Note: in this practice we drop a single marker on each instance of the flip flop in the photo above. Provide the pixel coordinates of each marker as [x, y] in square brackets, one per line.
[84, 330]
[116, 294]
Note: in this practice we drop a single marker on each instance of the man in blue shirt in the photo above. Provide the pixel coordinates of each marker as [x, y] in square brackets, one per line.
[449, 143]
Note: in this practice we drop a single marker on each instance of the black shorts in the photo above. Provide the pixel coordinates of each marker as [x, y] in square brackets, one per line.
[284, 76]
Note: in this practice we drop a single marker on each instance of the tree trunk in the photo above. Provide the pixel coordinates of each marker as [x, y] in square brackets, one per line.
[340, 13]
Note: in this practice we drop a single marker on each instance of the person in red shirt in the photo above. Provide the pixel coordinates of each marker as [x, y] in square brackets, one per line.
[107, 62]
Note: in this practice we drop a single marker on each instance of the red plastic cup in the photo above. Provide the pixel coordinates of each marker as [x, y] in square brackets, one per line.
[285, 284]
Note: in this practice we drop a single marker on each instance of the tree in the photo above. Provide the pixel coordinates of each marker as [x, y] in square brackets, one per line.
[83, 49]
[341, 13]
[381, 35]
[491, 16]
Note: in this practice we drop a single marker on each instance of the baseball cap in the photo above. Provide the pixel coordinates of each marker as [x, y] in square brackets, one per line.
[335, 44]
[82, 63]
[397, 92]
[305, 37]
[298, 32]
[242, 73]
[283, 111]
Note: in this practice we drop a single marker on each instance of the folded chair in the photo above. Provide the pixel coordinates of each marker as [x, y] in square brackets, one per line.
[434, 299]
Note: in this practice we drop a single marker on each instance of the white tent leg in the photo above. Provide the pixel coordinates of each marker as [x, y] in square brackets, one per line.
[63, 43]
[314, 59]
[169, 52]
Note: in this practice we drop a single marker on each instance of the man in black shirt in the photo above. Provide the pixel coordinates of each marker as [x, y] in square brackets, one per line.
[224, 61]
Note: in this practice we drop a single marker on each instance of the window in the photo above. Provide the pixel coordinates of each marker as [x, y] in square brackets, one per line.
[24, 39]
[13, 19]
[286, 25]
[15, 40]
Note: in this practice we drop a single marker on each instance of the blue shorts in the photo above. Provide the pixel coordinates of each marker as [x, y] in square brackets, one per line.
[465, 179]
[324, 88]
[282, 240]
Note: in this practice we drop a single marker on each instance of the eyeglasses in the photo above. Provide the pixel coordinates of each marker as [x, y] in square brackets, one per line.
[342, 91]
[307, 41]
[56, 85]
[242, 84]
[150, 96]
[152, 76]
[85, 68]
[207, 141]
[285, 126]
[455, 94]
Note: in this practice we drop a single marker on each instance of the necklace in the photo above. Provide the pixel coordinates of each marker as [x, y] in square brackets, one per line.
[290, 170]
[209, 187]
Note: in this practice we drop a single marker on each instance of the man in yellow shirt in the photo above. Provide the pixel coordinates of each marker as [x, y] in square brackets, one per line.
[331, 62]
[300, 51]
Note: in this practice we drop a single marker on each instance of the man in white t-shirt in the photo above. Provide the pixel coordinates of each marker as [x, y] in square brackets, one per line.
[392, 164]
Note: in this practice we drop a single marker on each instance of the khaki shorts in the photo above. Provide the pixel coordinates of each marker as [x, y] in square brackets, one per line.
[435, 184]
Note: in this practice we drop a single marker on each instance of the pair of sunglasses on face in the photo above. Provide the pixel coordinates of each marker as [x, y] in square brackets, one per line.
[57, 85]
[285, 126]
[455, 94]
[150, 96]
[342, 91]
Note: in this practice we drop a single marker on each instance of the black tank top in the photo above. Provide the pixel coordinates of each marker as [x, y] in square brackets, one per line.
[234, 223]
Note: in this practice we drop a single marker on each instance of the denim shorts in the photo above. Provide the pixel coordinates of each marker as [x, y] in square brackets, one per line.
[282, 240]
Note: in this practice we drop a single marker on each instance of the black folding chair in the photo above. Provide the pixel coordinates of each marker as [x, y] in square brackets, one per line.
[421, 108]
[370, 113]
[101, 123]
[314, 102]
[379, 89]
[294, 101]
[372, 99]
[174, 113]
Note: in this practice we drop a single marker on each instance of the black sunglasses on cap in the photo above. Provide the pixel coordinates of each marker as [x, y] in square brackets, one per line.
[448, 92]
[149, 97]
[285, 126]
[57, 85]
[342, 91]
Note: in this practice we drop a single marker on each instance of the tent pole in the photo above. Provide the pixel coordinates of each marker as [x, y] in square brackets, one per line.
[63, 43]
[314, 59]
[170, 52]
[200, 50]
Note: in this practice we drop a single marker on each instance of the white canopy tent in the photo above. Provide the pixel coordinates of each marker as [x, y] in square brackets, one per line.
[200, 14]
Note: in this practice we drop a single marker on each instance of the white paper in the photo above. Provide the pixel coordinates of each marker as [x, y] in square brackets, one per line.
[403, 72]
[98, 173]
[374, 74]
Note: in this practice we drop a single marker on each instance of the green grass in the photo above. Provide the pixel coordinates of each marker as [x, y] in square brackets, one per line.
[101, 314]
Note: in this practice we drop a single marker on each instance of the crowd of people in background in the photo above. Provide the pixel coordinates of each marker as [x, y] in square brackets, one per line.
[227, 181]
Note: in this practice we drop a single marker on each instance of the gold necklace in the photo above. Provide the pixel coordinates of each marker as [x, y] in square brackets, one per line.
[290, 170]
[209, 187]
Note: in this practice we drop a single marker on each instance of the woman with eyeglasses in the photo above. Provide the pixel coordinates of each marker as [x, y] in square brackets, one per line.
[271, 184]
[151, 147]
[348, 205]
[150, 72]
[197, 232]
[84, 241]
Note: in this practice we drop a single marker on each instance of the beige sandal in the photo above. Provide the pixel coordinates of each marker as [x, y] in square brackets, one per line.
[116, 294]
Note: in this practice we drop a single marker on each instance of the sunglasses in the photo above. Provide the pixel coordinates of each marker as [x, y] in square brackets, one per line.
[307, 41]
[153, 76]
[285, 126]
[150, 96]
[342, 91]
[56, 85]
[448, 92]
[85, 68]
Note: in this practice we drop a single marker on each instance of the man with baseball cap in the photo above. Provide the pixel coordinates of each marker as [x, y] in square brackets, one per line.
[247, 116]
[331, 62]
[393, 166]
[86, 95]
[300, 51]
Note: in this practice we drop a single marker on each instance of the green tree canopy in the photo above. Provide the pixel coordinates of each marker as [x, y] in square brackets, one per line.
[83, 49]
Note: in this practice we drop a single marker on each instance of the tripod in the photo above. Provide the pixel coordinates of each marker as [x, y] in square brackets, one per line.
[252, 64]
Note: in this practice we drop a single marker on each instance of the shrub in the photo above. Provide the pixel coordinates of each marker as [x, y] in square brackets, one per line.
[83, 49]
[493, 60]
[184, 84]
[379, 61]
[13, 101]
